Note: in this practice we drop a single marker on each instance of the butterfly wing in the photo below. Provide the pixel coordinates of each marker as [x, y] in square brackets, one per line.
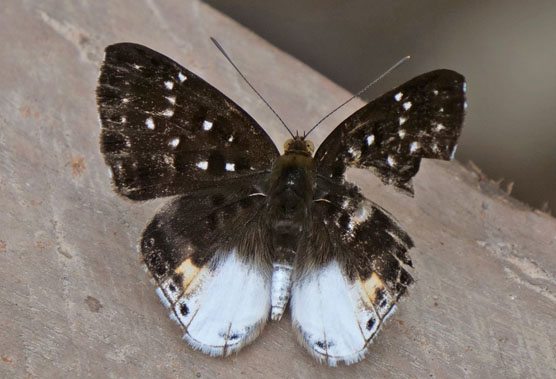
[165, 131]
[209, 256]
[420, 119]
[349, 275]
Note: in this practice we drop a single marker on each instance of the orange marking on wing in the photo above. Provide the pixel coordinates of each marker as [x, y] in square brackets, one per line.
[372, 286]
[189, 271]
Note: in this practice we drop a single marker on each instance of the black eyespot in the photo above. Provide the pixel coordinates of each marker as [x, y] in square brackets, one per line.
[183, 309]
[172, 288]
[371, 323]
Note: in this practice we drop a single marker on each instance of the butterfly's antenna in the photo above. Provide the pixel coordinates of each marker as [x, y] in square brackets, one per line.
[360, 92]
[247, 81]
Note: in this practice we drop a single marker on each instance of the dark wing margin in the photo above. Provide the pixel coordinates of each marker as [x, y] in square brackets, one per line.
[419, 119]
[165, 131]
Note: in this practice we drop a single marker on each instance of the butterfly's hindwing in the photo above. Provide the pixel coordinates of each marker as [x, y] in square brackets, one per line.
[349, 275]
[209, 257]
[165, 131]
[419, 119]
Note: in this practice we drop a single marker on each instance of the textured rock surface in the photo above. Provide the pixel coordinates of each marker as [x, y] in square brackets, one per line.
[74, 300]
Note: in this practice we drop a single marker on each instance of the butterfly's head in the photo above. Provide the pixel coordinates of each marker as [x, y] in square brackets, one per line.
[298, 145]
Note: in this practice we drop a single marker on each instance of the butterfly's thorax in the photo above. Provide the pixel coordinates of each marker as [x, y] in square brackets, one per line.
[290, 196]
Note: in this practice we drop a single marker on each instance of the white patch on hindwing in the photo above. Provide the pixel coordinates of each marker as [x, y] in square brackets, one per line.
[221, 310]
[336, 318]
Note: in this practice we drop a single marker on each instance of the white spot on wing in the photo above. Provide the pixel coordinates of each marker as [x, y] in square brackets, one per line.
[125, 100]
[169, 84]
[360, 215]
[464, 87]
[168, 113]
[391, 162]
[398, 96]
[407, 105]
[345, 203]
[171, 99]
[435, 92]
[150, 123]
[465, 105]
[181, 77]
[370, 140]
[414, 146]
[175, 142]
[231, 138]
[230, 167]
[203, 165]
[207, 125]
[123, 120]
[402, 120]
[401, 133]
[439, 127]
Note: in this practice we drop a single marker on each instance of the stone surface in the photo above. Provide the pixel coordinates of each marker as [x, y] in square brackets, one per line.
[74, 301]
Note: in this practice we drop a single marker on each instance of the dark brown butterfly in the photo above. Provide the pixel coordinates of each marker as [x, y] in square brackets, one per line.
[247, 226]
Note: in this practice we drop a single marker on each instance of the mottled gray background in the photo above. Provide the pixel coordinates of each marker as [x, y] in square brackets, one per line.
[506, 49]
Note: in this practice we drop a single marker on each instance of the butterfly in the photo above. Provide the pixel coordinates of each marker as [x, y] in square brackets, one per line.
[249, 230]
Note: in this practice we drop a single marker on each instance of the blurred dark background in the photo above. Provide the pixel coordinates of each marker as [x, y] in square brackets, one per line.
[506, 50]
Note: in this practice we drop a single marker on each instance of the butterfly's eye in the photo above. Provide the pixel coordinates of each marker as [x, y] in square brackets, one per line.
[310, 146]
[287, 144]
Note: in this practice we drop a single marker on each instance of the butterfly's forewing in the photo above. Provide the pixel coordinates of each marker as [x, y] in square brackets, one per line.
[350, 274]
[165, 131]
[420, 119]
